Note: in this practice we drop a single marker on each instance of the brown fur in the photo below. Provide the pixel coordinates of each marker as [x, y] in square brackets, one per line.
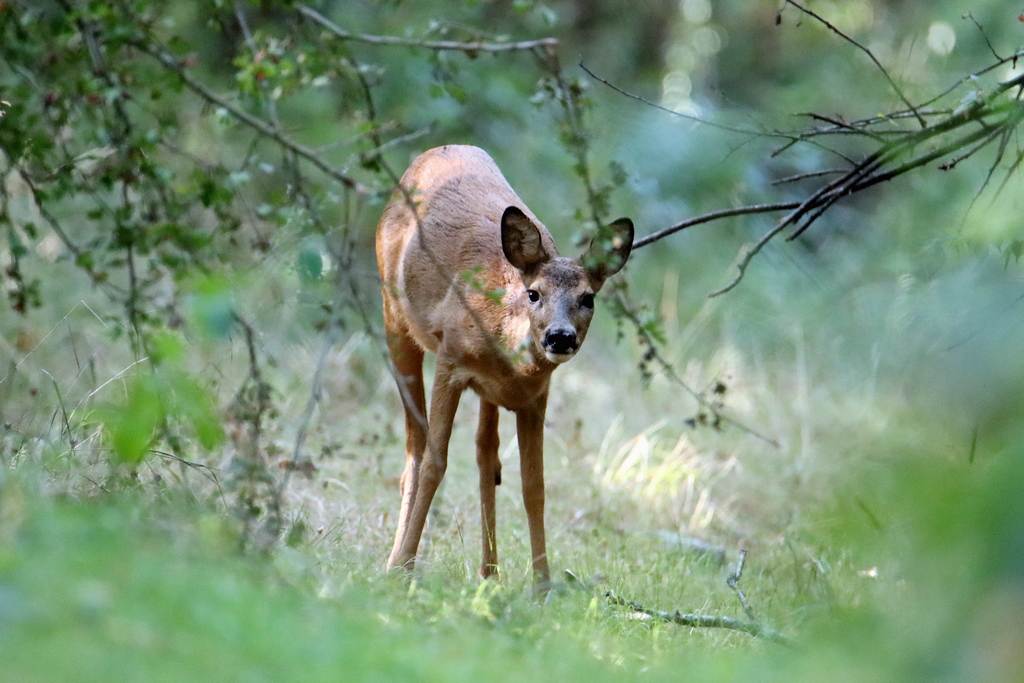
[449, 286]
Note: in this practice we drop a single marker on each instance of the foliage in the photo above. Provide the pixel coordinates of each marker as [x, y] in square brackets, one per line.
[152, 399]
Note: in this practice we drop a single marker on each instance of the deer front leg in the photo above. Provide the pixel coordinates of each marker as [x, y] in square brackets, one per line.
[530, 430]
[490, 477]
[444, 400]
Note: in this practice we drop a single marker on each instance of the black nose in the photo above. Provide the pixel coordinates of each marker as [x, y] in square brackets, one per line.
[561, 340]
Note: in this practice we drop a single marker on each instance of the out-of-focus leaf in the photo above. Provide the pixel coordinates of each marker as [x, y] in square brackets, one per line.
[130, 425]
[193, 404]
[211, 308]
[310, 263]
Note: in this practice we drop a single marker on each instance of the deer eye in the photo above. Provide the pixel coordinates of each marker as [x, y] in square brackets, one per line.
[534, 295]
[587, 300]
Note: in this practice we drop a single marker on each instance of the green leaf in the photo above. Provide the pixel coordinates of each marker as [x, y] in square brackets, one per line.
[167, 348]
[130, 426]
[310, 263]
[211, 308]
[193, 404]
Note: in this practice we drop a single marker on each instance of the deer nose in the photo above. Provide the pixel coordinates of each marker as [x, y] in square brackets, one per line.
[560, 340]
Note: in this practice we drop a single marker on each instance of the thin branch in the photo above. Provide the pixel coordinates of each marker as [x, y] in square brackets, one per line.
[266, 97]
[1009, 174]
[470, 48]
[867, 173]
[702, 620]
[748, 252]
[714, 216]
[984, 35]
[922, 160]
[573, 118]
[970, 77]
[809, 174]
[791, 138]
[315, 393]
[842, 127]
[400, 140]
[866, 51]
[952, 163]
[682, 115]
[266, 129]
[1004, 134]
[654, 354]
[113, 378]
[807, 138]
[209, 472]
[733, 581]
[862, 183]
[58, 229]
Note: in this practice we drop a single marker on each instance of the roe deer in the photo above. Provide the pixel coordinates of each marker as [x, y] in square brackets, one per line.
[470, 274]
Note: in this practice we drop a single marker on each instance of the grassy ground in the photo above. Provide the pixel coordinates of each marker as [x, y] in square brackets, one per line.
[883, 540]
[126, 587]
[131, 589]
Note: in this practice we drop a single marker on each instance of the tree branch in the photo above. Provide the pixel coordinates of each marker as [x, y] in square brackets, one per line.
[470, 48]
[791, 138]
[809, 174]
[714, 216]
[733, 581]
[702, 620]
[866, 51]
[984, 36]
[866, 173]
[682, 115]
[265, 129]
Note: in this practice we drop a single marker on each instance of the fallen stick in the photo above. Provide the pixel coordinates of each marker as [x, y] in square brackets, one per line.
[733, 581]
[702, 620]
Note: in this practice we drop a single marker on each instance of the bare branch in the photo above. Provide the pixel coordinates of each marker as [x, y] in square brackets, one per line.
[654, 354]
[702, 620]
[970, 77]
[207, 471]
[1003, 143]
[867, 173]
[733, 581]
[984, 35]
[866, 51]
[952, 163]
[470, 48]
[791, 138]
[259, 125]
[714, 216]
[856, 184]
[840, 126]
[1009, 173]
[682, 115]
[401, 139]
[809, 174]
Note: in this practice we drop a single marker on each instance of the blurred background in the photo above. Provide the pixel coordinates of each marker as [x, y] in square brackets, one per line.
[201, 439]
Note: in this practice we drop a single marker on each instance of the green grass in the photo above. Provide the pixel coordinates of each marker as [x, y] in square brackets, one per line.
[126, 589]
[884, 534]
[131, 587]
[880, 541]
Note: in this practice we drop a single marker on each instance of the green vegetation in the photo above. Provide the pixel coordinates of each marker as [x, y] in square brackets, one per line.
[200, 439]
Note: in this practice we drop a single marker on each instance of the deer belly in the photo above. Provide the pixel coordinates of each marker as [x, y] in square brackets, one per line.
[512, 393]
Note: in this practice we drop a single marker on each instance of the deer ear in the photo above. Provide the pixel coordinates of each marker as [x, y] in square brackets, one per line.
[520, 240]
[608, 251]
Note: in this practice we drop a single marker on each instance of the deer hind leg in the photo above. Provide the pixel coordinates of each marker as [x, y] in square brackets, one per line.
[407, 358]
[444, 401]
[490, 477]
